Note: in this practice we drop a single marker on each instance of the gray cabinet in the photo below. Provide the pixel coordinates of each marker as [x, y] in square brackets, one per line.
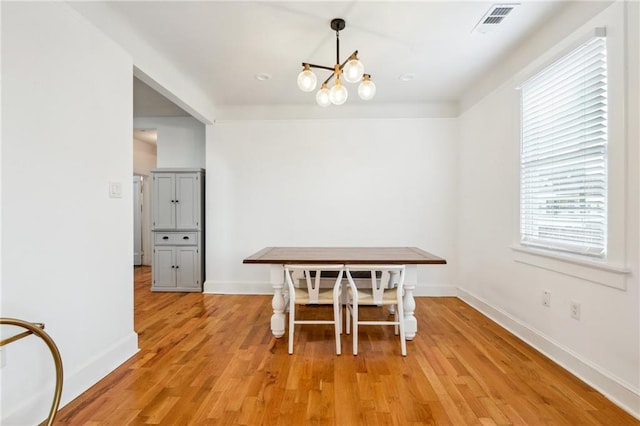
[177, 200]
[178, 230]
[177, 268]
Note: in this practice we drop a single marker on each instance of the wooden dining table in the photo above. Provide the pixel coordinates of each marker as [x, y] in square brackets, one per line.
[277, 257]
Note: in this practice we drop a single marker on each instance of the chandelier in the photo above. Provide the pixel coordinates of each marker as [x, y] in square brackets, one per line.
[350, 70]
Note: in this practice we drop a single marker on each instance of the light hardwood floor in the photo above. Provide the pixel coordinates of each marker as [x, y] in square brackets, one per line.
[211, 359]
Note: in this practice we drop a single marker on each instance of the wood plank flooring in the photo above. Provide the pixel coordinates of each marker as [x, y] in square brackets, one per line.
[211, 359]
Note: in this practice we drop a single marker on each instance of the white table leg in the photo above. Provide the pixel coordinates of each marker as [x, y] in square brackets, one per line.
[278, 303]
[393, 282]
[410, 322]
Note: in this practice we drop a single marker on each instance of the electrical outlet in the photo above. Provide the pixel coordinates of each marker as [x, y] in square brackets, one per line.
[574, 309]
[546, 298]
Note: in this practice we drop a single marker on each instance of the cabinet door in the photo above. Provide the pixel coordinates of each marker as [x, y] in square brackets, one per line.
[164, 267]
[188, 271]
[164, 201]
[188, 196]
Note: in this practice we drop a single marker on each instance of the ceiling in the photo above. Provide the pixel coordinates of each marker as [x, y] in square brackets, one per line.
[149, 103]
[223, 45]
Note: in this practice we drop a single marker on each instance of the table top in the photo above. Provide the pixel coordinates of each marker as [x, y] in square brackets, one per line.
[344, 255]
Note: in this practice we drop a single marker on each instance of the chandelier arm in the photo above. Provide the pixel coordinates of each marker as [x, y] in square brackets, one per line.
[317, 66]
[329, 78]
[353, 55]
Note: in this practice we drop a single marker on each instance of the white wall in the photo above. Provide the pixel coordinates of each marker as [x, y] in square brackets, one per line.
[603, 348]
[67, 247]
[145, 157]
[181, 140]
[388, 182]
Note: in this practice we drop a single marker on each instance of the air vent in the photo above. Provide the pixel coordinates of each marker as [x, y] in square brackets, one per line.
[496, 14]
[493, 20]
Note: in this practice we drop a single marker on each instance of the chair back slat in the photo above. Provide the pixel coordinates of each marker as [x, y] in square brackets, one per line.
[379, 285]
[381, 278]
[313, 288]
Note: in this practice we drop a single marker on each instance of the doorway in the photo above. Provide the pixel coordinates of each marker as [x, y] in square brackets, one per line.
[137, 220]
[144, 160]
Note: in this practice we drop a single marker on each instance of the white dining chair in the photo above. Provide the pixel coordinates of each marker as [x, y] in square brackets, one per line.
[310, 292]
[385, 287]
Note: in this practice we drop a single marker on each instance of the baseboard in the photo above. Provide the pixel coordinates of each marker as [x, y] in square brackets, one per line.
[618, 392]
[35, 409]
[261, 287]
[435, 291]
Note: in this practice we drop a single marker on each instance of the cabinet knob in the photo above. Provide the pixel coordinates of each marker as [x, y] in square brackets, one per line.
[177, 201]
[177, 267]
[185, 237]
[165, 238]
[172, 266]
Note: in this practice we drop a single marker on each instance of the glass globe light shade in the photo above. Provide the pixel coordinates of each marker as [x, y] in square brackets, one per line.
[338, 93]
[307, 80]
[353, 71]
[322, 96]
[366, 90]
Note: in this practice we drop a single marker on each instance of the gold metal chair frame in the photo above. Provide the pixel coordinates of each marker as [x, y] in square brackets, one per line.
[38, 330]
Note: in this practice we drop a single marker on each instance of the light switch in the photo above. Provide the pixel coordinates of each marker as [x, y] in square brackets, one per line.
[115, 190]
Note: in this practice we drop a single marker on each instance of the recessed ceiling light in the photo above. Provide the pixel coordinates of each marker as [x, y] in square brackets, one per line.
[263, 76]
[407, 77]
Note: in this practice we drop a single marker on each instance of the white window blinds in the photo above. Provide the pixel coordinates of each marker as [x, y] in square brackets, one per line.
[563, 183]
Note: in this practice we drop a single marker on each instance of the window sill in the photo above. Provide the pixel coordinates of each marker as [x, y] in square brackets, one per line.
[594, 271]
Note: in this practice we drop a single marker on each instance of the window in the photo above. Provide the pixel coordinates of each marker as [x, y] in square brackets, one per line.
[563, 157]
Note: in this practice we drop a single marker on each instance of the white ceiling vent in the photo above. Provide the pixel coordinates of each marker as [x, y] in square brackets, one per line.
[494, 17]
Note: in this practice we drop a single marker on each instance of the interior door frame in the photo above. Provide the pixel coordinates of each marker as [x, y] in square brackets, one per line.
[137, 220]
